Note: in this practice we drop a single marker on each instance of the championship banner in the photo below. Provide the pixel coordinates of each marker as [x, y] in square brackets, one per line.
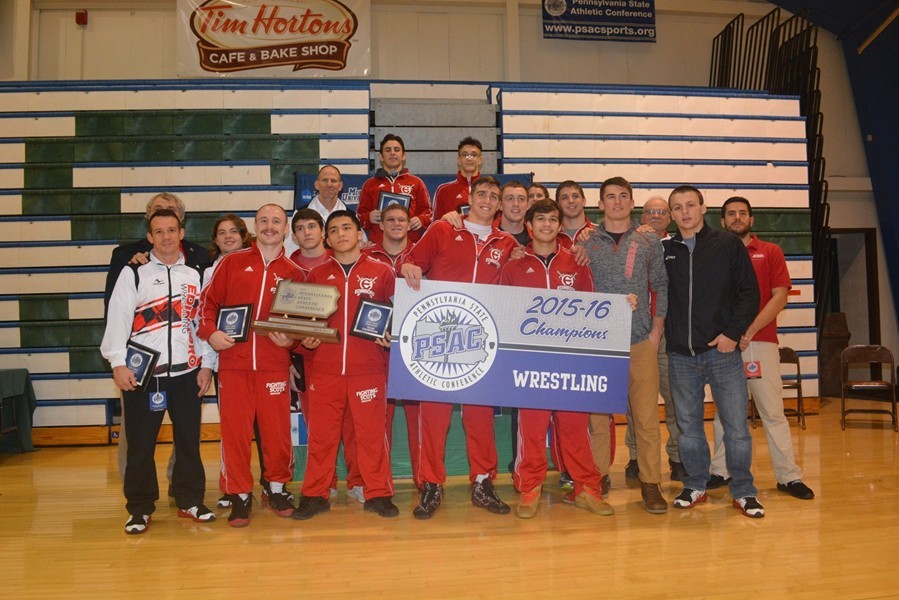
[510, 346]
[277, 38]
[607, 20]
[304, 186]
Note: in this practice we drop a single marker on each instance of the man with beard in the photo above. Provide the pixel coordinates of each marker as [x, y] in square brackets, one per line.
[761, 356]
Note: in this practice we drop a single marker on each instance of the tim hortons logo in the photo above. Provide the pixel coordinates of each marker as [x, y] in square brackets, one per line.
[252, 34]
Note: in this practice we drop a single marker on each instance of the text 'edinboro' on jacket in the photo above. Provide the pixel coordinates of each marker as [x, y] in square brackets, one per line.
[368, 279]
[243, 277]
[447, 253]
[156, 305]
[711, 291]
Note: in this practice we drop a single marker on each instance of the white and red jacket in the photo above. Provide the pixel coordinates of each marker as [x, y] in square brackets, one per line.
[377, 252]
[404, 183]
[242, 277]
[567, 242]
[562, 272]
[157, 305]
[447, 253]
[368, 279]
[451, 195]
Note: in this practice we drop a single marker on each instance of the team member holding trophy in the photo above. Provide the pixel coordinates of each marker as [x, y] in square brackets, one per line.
[350, 375]
[150, 343]
[253, 373]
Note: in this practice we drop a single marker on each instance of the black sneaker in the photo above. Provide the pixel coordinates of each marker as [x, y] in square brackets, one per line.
[797, 489]
[632, 471]
[605, 484]
[240, 511]
[678, 471]
[483, 495]
[750, 506]
[309, 506]
[225, 501]
[137, 524]
[716, 481]
[428, 501]
[280, 504]
[565, 481]
[383, 506]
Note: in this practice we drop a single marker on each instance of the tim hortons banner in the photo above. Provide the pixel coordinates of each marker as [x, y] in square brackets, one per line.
[510, 346]
[277, 38]
[612, 20]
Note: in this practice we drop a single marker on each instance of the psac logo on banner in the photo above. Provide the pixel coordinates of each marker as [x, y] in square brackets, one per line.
[510, 346]
[248, 35]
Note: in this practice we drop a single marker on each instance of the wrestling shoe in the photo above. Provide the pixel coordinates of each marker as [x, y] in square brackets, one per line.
[429, 500]
[483, 495]
[224, 501]
[309, 506]
[383, 506]
[240, 511]
[280, 504]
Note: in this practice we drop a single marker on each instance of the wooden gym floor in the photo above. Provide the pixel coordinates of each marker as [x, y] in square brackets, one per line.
[62, 516]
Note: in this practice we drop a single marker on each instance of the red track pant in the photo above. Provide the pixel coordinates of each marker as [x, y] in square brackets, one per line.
[434, 419]
[573, 437]
[244, 397]
[330, 397]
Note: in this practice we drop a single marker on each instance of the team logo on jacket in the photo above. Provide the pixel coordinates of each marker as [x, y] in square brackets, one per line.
[567, 280]
[406, 189]
[495, 257]
[366, 286]
[448, 341]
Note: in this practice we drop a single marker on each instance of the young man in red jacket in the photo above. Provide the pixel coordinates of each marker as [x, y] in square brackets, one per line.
[253, 374]
[392, 250]
[394, 178]
[348, 376]
[547, 265]
[473, 253]
[453, 194]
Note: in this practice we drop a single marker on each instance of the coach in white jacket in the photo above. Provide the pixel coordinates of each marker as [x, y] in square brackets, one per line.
[155, 305]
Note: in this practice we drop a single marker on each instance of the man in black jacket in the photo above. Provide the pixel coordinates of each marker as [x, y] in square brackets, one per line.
[195, 255]
[713, 296]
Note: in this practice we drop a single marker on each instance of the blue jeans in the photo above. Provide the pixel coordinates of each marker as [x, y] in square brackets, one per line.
[725, 375]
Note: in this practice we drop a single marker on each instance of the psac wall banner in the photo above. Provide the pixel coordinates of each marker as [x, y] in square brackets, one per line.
[274, 38]
[611, 20]
[510, 346]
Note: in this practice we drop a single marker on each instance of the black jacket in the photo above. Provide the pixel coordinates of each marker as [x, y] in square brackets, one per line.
[711, 291]
[195, 255]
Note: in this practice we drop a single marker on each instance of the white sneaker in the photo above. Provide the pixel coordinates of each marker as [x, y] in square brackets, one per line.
[224, 501]
[137, 524]
[356, 492]
[750, 506]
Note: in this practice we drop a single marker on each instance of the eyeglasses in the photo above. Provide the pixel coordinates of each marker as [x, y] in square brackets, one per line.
[656, 211]
[469, 154]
